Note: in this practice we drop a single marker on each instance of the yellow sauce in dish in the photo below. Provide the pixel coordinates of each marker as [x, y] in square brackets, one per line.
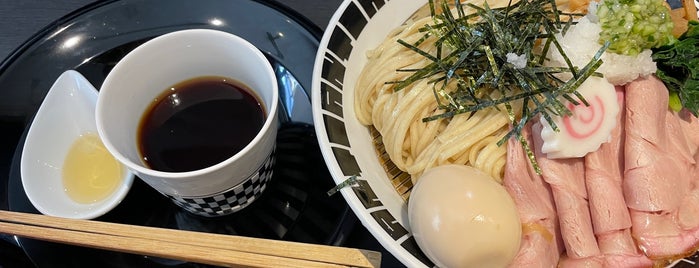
[90, 172]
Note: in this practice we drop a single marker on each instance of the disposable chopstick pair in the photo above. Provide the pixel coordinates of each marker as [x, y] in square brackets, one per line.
[213, 249]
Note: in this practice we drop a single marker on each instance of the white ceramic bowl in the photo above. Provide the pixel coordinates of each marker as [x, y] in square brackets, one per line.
[68, 111]
[347, 147]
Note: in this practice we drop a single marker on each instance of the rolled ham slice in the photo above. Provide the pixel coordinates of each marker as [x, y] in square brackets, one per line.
[654, 179]
[660, 172]
[567, 180]
[604, 171]
[632, 203]
[541, 244]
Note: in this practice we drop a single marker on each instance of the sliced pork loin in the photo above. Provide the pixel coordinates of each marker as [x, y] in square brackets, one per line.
[660, 192]
[654, 180]
[633, 202]
[567, 180]
[604, 171]
[690, 126]
[541, 244]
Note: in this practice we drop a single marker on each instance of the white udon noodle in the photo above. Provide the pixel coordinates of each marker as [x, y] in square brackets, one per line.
[413, 145]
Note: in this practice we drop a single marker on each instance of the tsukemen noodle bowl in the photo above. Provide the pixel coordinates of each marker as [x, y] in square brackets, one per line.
[376, 125]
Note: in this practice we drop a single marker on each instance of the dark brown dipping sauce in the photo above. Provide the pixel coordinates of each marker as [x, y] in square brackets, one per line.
[198, 123]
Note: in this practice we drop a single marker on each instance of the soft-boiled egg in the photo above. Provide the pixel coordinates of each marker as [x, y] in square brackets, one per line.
[461, 217]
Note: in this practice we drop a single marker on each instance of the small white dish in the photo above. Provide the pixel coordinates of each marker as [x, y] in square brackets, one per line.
[67, 113]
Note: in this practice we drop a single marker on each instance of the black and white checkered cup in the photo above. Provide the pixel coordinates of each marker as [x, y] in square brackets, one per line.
[166, 60]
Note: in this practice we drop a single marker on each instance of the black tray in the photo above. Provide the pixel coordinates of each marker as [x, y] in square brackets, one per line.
[294, 207]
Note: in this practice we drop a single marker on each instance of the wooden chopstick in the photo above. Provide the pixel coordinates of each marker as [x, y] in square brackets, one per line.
[214, 249]
[157, 248]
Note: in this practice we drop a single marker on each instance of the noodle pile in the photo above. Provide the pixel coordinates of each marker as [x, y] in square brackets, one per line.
[414, 145]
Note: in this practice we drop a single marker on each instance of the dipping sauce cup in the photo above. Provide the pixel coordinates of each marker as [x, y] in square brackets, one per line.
[193, 113]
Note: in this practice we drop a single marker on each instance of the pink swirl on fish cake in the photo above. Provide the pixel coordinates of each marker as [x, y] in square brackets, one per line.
[587, 115]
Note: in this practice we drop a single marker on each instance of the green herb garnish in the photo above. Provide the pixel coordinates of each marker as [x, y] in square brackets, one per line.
[678, 68]
[632, 26]
[473, 51]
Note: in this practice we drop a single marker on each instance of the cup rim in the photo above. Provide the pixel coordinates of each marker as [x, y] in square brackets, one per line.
[156, 42]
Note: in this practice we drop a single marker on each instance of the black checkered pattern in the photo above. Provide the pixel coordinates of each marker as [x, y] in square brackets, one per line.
[233, 199]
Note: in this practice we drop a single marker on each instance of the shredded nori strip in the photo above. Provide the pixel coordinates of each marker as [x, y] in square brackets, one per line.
[472, 49]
